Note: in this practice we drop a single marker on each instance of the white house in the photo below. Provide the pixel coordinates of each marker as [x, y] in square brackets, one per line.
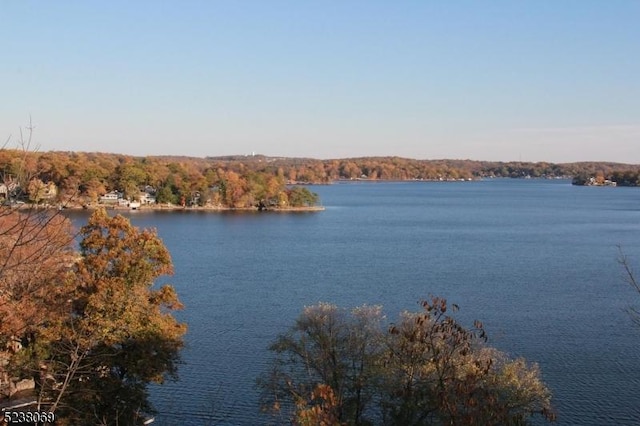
[147, 198]
[9, 187]
[111, 197]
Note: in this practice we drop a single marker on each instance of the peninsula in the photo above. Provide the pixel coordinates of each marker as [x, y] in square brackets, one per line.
[242, 182]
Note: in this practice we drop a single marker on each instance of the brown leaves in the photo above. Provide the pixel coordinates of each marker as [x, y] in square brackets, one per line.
[428, 369]
[35, 254]
[119, 335]
[440, 370]
[112, 247]
[94, 321]
[116, 273]
[322, 409]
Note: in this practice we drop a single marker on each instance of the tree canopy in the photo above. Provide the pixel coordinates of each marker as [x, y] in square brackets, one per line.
[104, 329]
[245, 181]
[340, 367]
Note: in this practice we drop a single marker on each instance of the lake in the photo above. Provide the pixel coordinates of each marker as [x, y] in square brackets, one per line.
[534, 260]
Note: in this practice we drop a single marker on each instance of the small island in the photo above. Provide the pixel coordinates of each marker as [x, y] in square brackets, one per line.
[615, 178]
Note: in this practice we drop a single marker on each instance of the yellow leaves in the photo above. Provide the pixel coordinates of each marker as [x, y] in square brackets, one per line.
[522, 381]
[113, 247]
[321, 409]
[123, 263]
[427, 369]
[112, 329]
[165, 297]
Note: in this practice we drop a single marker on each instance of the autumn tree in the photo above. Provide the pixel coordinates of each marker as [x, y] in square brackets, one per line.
[90, 327]
[331, 347]
[93, 189]
[321, 410]
[130, 177]
[427, 369]
[34, 244]
[118, 333]
[440, 372]
[35, 254]
[234, 190]
[36, 190]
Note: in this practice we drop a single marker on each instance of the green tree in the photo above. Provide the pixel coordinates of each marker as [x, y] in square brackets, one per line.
[130, 177]
[301, 197]
[166, 195]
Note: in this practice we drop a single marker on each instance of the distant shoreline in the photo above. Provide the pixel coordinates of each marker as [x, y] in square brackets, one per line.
[175, 208]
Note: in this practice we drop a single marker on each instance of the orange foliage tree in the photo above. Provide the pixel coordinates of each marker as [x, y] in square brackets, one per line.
[90, 327]
[35, 254]
[119, 333]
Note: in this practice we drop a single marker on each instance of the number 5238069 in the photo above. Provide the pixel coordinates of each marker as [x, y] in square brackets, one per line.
[16, 417]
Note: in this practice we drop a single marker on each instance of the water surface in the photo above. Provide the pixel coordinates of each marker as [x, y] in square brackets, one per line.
[535, 260]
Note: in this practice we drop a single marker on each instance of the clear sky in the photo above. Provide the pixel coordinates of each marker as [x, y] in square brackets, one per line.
[543, 80]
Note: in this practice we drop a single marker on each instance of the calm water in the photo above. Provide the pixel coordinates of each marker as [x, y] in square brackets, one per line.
[534, 260]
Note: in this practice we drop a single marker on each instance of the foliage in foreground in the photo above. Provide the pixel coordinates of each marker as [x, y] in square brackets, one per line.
[340, 367]
[102, 331]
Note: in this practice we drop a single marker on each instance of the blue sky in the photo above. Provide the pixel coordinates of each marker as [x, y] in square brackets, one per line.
[541, 80]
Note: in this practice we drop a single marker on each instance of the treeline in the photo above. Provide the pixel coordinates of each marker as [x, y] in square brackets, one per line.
[626, 178]
[396, 168]
[85, 177]
[241, 181]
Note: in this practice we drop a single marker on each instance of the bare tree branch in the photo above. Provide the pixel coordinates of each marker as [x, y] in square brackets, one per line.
[630, 278]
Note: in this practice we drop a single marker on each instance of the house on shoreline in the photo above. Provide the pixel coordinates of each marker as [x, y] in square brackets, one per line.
[112, 197]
